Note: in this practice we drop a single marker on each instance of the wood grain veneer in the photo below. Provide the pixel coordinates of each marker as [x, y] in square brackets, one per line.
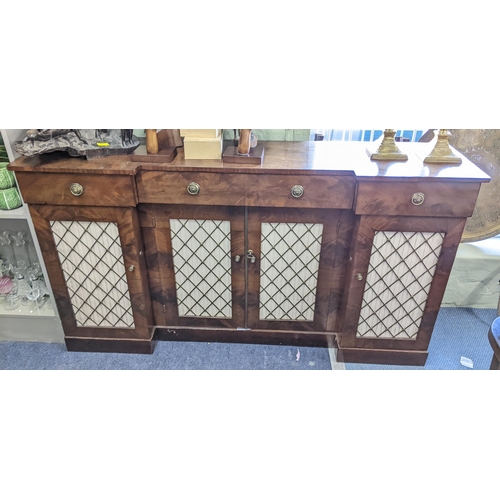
[171, 188]
[54, 189]
[453, 199]
[346, 192]
[363, 234]
[319, 191]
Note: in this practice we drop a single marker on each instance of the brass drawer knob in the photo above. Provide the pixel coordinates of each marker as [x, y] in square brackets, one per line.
[193, 188]
[131, 268]
[297, 191]
[76, 189]
[237, 258]
[359, 277]
[418, 198]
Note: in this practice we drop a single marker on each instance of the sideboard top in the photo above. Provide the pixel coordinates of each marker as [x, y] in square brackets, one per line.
[321, 157]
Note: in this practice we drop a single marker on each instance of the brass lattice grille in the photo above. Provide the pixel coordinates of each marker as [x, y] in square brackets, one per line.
[400, 272]
[289, 270]
[92, 262]
[202, 264]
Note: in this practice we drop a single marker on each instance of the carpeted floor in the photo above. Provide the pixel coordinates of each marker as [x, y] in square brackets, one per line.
[458, 332]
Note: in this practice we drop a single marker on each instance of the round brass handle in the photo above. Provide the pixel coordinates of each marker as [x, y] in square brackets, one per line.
[418, 198]
[297, 191]
[76, 189]
[193, 188]
[131, 268]
[359, 277]
[237, 258]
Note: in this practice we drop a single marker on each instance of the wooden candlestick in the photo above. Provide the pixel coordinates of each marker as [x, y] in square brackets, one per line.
[244, 142]
[151, 141]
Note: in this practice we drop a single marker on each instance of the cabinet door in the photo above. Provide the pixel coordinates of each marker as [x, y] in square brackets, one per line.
[95, 261]
[196, 264]
[296, 280]
[396, 280]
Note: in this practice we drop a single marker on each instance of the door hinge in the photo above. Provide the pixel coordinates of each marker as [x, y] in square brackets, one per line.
[154, 221]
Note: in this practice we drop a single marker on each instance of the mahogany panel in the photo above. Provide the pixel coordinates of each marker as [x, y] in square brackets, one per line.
[52, 264]
[311, 157]
[245, 336]
[452, 199]
[153, 265]
[136, 270]
[133, 255]
[171, 188]
[319, 191]
[381, 356]
[362, 241]
[128, 346]
[332, 257]
[345, 227]
[60, 162]
[157, 217]
[99, 191]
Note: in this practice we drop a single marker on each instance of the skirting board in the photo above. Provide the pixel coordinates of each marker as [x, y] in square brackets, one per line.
[382, 356]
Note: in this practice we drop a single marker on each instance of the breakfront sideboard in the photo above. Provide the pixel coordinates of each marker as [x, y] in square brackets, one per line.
[318, 245]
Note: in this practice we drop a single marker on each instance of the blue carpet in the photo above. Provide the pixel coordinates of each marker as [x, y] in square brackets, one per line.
[458, 332]
[167, 356]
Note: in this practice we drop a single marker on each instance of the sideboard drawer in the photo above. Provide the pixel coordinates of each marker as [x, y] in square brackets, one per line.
[423, 199]
[301, 191]
[190, 188]
[77, 189]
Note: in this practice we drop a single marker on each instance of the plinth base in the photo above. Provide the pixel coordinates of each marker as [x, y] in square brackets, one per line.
[165, 155]
[455, 160]
[393, 156]
[255, 157]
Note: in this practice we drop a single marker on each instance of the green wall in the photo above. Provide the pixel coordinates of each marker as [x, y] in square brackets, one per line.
[263, 134]
[275, 134]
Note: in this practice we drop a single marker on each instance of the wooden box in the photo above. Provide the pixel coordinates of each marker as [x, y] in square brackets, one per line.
[203, 148]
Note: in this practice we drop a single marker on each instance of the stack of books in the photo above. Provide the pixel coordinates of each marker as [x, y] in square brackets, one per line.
[202, 144]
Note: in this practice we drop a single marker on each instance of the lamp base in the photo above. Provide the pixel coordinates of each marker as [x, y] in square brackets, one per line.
[455, 160]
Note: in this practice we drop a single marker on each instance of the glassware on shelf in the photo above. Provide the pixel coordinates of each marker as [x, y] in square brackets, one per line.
[19, 268]
[6, 284]
[22, 284]
[35, 271]
[5, 280]
[13, 300]
[21, 246]
[23, 288]
[6, 269]
[33, 295]
[6, 247]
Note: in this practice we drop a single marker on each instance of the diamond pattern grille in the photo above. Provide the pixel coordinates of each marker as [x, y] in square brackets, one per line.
[400, 272]
[202, 264]
[289, 270]
[92, 262]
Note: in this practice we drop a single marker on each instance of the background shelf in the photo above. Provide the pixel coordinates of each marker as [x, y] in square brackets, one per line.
[25, 311]
[20, 324]
[17, 213]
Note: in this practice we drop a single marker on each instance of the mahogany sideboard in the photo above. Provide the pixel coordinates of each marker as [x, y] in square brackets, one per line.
[317, 246]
